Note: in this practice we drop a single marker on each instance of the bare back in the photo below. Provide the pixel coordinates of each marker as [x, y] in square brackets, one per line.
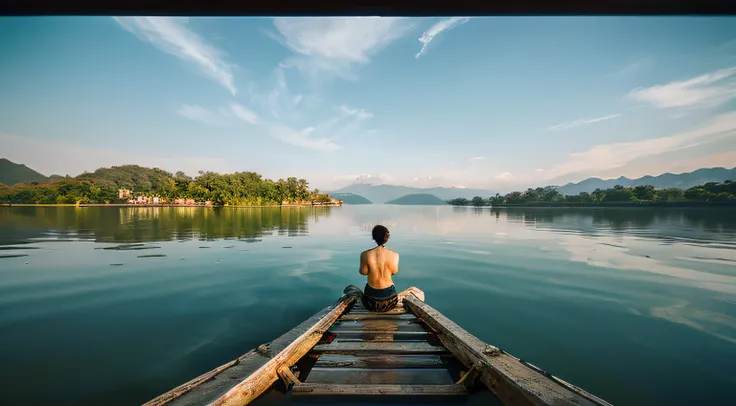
[379, 264]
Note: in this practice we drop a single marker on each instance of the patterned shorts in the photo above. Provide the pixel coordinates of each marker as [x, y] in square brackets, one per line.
[382, 305]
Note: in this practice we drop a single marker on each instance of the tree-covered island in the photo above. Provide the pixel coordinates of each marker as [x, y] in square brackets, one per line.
[136, 184]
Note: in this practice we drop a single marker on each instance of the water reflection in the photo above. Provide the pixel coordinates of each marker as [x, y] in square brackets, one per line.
[674, 245]
[20, 225]
[674, 222]
[557, 286]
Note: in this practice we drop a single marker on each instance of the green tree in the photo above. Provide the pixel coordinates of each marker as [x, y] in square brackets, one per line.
[645, 193]
[101, 186]
[514, 198]
[618, 194]
[460, 201]
[669, 195]
[497, 200]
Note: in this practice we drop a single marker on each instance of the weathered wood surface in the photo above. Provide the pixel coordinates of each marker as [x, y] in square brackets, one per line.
[413, 334]
[378, 325]
[359, 304]
[375, 376]
[400, 310]
[512, 381]
[287, 377]
[180, 390]
[395, 347]
[238, 383]
[379, 361]
[393, 390]
[378, 316]
[255, 384]
[363, 310]
[382, 336]
[208, 391]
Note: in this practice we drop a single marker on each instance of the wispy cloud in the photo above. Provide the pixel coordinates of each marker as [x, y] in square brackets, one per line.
[285, 133]
[437, 29]
[301, 138]
[291, 119]
[198, 113]
[171, 35]
[610, 156]
[245, 114]
[580, 122]
[336, 44]
[710, 89]
[360, 114]
[477, 158]
[503, 176]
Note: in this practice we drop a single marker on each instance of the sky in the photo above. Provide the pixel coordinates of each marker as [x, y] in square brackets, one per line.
[483, 102]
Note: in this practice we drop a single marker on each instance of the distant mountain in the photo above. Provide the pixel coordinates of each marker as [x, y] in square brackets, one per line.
[666, 180]
[351, 198]
[384, 193]
[418, 199]
[12, 173]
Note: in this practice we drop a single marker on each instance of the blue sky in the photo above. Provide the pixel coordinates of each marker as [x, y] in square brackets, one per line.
[497, 102]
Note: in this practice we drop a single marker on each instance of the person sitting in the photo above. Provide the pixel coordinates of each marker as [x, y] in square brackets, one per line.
[379, 264]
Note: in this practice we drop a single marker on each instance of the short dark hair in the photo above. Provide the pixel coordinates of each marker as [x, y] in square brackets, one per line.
[380, 234]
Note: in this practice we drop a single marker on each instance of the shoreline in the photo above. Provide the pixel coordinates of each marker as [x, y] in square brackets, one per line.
[156, 205]
[601, 205]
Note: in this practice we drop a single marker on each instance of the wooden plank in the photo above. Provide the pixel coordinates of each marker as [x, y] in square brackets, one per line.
[382, 336]
[287, 377]
[372, 390]
[378, 316]
[182, 389]
[379, 361]
[392, 311]
[261, 379]
[360, 308]
[219, 384]
[246, 379]
[377, 325]
[380, 347]
[374, 376]
[359, 305]
[513, 382]
[411, 333]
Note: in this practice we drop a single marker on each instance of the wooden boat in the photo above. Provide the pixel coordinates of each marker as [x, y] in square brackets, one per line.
[346, 350]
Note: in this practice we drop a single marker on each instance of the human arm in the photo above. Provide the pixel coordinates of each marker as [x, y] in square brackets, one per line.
[363, 268]
[395, 268]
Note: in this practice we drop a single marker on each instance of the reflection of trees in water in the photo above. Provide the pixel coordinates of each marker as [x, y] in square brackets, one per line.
[480, 211]
[142, 224]
[674, 221]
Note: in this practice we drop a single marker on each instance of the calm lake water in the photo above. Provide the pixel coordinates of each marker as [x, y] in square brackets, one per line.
[637, 306]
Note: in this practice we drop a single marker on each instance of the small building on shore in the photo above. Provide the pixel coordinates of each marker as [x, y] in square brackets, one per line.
[332, 202]
[124, 194]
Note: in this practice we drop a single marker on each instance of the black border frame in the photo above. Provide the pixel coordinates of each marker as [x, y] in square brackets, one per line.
[365, 8]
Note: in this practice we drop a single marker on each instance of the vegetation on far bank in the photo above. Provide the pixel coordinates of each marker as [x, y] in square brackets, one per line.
[102, 186]
[711, 192]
